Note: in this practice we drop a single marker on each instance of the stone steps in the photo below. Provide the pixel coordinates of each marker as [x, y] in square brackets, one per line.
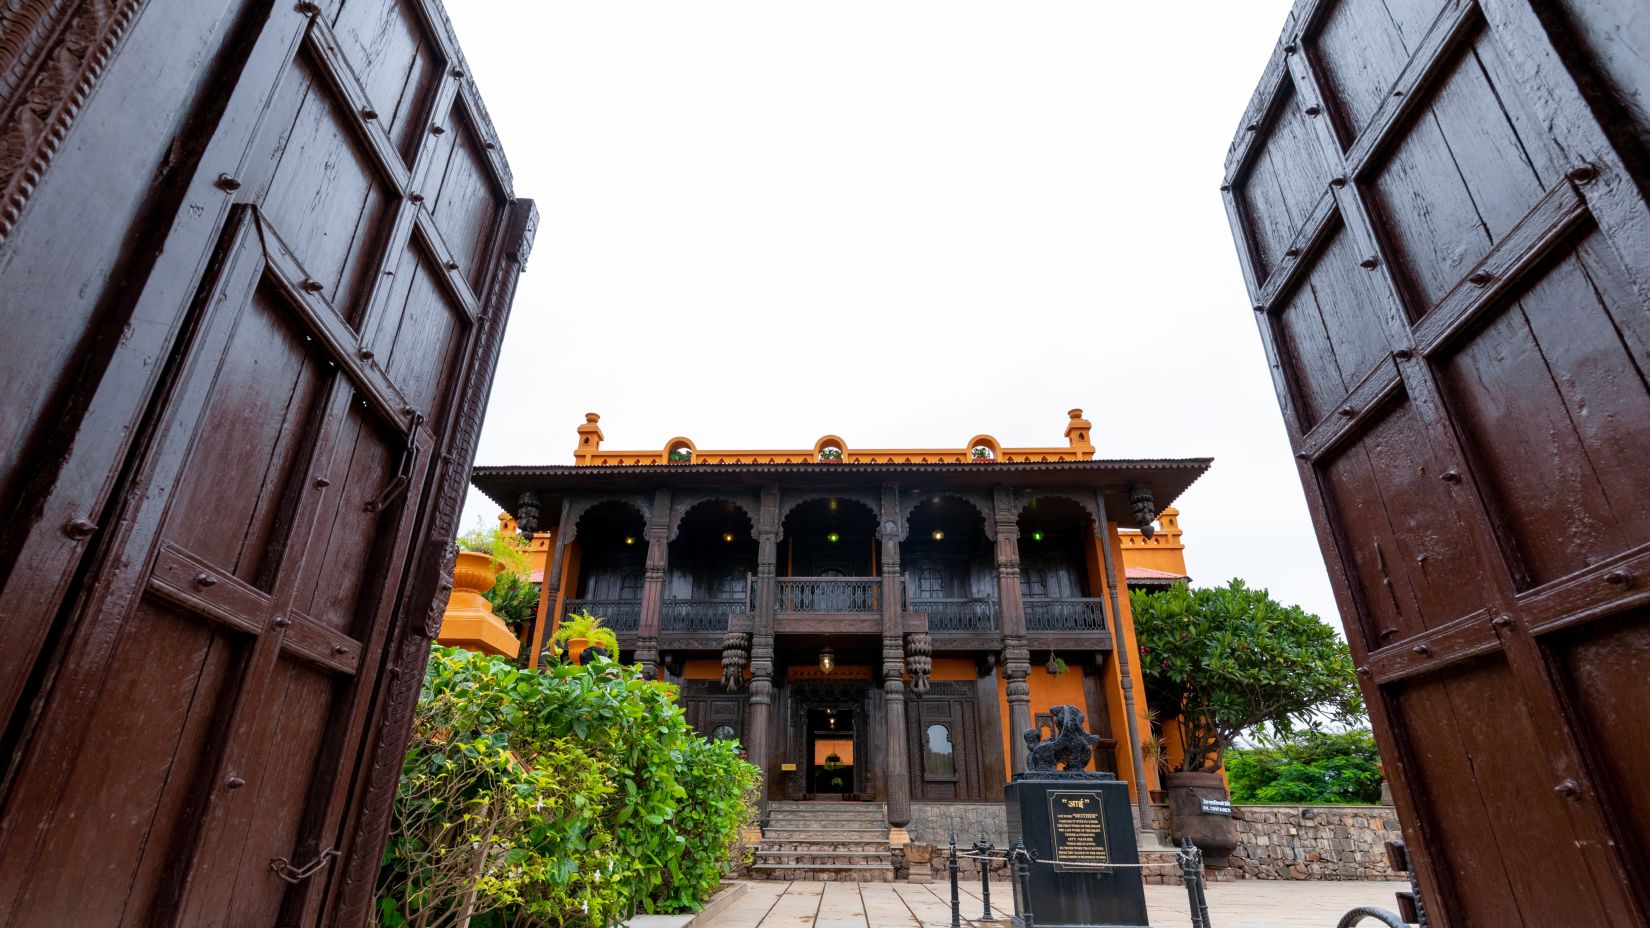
[834, 873]
[825, 841]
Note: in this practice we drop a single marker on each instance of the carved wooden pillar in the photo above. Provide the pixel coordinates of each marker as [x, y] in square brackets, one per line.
[1016, 658]
[653, 584]
[767, 556]
[550, 589]
[1122, 644]
[897, 767]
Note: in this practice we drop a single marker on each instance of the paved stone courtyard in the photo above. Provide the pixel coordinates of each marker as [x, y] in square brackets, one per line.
[1244, 904]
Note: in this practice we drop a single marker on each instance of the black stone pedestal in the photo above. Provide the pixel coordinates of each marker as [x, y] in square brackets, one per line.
[1072, 822]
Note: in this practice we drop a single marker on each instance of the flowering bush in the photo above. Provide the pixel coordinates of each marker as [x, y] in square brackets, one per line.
[567, 796]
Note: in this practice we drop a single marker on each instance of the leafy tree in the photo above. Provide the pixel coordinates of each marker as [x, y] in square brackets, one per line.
[1228, 659]
[1307, 767]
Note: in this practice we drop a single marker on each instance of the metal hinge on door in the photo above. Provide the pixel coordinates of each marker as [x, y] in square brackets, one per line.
[403, 471]
[285, 870]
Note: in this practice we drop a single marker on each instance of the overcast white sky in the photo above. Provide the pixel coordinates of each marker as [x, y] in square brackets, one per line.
[905, 223]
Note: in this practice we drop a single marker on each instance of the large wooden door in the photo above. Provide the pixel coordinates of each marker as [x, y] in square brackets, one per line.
[1448, 249]
[230, 548]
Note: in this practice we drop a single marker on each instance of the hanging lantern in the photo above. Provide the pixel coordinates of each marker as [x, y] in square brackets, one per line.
[827, 660]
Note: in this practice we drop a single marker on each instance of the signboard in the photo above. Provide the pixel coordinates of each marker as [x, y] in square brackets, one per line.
[1217, 807]
[787, 768]
[1079, 825]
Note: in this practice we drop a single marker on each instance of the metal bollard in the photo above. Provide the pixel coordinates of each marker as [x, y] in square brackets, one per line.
[1191, 873]
[984, 849]
[956, 903]
[1022, 872]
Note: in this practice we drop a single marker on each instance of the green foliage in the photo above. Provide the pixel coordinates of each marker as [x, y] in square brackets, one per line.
[590, 628]
[1307, 768]
[507, 548]
[681, 455]
[1228, 659]
[514, 598]
[571, 796]
[830, 454]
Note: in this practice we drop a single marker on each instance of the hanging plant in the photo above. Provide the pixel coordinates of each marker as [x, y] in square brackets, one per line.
[1055, 665]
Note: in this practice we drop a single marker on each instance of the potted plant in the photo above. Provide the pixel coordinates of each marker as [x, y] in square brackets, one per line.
[1055, 665]
[485, 557]
[582, 630]
[981, 455]
[680, 456]
[1221, 661]
[830, 456]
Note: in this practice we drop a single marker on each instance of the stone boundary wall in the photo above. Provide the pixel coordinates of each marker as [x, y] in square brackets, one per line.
[1307, 842]
[1276, 842]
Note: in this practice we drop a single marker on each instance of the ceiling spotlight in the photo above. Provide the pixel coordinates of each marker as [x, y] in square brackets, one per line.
[938, 535]
[630, 539]
[833, 538]
[727, 536]
[1036, 536]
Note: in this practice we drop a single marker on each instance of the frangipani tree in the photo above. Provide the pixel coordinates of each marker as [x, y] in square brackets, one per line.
[1227, 659]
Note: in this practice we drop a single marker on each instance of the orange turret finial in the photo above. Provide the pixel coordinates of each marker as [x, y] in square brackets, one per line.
[590, 439]
[1077, 432]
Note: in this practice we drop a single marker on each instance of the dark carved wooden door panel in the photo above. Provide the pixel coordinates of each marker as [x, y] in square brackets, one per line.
[1449, 252]
[943, 738]
[210, 732]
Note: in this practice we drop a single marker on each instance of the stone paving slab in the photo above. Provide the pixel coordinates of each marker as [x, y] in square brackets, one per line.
[1244, 904]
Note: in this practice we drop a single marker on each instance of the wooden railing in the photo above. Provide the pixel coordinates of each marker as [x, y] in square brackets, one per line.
[697, 615]
[828, 594]
[621, 615]
[958, 615]
[1065, 615]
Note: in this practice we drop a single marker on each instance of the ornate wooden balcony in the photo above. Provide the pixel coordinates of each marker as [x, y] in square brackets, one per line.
[958, 615]
[1065, 615]
[624, 616]
[698, 615]
[828, 594]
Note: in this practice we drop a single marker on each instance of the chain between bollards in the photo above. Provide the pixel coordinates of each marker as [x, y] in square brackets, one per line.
[956, 903]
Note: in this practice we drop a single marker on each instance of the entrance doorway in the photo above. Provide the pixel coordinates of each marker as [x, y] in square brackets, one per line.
[833, 762]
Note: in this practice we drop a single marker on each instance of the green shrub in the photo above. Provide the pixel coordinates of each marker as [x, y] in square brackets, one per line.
[1307, 768]
[571, 796]
[514, 598]
[507, 548]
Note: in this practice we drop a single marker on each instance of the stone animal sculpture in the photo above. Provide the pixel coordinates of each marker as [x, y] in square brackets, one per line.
[1070, 746]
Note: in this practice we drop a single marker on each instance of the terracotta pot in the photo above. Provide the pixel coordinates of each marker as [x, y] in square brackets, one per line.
[1216, 835]
[469, 621]
[575, 647]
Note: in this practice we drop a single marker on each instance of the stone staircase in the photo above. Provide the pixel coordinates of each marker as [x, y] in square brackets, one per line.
[832, 841]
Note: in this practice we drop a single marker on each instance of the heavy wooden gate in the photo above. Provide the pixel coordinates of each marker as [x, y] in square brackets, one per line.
[1440, 211]
[255, 262]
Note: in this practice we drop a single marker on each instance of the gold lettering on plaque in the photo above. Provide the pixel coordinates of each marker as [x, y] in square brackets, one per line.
[1079, 825]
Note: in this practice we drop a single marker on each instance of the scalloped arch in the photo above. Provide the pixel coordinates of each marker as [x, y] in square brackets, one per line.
[790, 503]
[980, 504]
[583, 508]
[1083, 501]
[679, 512]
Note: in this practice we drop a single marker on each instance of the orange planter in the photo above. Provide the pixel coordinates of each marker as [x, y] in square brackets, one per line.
[469, 621]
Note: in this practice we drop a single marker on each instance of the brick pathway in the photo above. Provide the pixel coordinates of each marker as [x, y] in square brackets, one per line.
[1243, 904]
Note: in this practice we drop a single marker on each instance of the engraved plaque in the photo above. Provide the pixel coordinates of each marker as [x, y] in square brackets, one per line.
[1079, 825]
